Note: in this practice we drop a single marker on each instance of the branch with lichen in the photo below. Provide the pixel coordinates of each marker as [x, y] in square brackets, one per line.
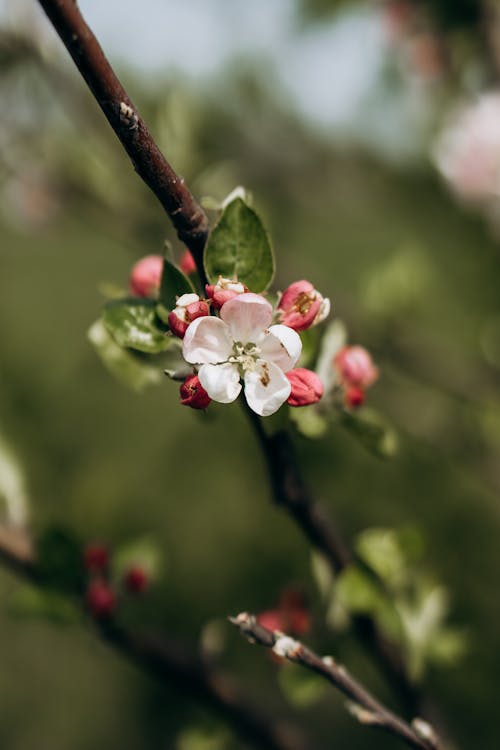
[363, 705]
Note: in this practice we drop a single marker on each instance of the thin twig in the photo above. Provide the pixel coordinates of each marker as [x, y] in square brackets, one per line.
[365, 707]
[171, 663]
[187, 216]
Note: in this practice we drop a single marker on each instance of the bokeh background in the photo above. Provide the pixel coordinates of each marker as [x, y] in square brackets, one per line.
[331, 114]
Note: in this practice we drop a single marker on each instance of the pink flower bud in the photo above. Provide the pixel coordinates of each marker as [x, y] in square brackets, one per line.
[96, 557]
[307, 387]
[136, 580]
[188, 308]
[354, 396]
[271, 619]
[100, 599]
[355, 366]
[290, 616]
[187, 264]
[145, 276]
[302, 306]
[224, 290]
[193, 394]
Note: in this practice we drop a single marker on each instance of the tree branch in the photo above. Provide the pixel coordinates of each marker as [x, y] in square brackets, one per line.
[190, 221]
[187, 216]
[170, 663]
[365, 707]
[291, 493]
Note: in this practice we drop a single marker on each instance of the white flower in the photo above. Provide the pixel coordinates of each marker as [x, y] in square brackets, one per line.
[243, 345]
[468, 151]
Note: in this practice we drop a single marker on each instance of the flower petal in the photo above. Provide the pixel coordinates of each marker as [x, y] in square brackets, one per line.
[247, 316]
[266, 388]
[207, 341]
[283, 346]
[221, 382]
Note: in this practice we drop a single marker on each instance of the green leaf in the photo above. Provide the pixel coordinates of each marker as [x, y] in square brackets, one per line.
[239, 248]
[173, 284]
[143, 552]
[359, 594]
[60, 561]
[126, 367]
[309, 421]
[133, 325]
[31, 602]
[372, 431]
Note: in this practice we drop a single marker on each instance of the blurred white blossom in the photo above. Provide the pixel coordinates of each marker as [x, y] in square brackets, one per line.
[467, 152]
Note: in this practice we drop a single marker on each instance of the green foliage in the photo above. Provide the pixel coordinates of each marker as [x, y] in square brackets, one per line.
[389, 585]
[134, 325]
[123, 364]
[309, 421]
[390, 553]
[397, 287]
[59, 560]
[30, 602]
[239, 248]
[301, 687]
[372, 431]
[143, 552]
[174, 283]
[194, 738]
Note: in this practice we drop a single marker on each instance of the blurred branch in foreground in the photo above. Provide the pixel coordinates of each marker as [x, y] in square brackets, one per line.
[365, 708]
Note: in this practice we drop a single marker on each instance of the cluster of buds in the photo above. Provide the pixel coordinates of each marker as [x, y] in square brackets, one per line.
[101, 595]
[247, 345]
[235, 341]
[355, 372]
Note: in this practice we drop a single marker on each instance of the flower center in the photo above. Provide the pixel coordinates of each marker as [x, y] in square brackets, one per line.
[245, 356]
[303, 302]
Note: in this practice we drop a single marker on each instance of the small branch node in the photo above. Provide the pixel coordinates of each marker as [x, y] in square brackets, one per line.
[425, 731]
[128, 116]
[287, 647]
[363, 715]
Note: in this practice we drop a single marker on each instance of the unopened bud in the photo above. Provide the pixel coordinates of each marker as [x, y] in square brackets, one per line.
[302, 306]
[354, 396]
[307, 387]
[271, 619]
[355, 366]
[193, 394]
[100, 599]
[224, 290]
[96, 557]
[145, 276]
[188, 308]
[187, 264]
[136, 580]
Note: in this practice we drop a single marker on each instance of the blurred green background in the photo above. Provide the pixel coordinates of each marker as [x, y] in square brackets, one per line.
[357, 208]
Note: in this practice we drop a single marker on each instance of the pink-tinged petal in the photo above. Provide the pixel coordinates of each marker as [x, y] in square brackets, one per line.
[247, 316]
[282, 346]
[221, 382]
[266, 388]
[207, 341]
